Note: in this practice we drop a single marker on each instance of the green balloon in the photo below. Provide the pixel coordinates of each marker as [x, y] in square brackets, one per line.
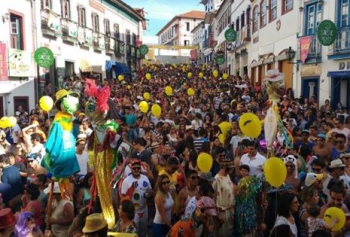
[43, 56]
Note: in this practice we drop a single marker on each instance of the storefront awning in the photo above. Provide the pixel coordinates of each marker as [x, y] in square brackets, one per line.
[338, 74]
[119, 68]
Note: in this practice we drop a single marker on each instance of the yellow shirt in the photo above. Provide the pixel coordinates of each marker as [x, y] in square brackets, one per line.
[173, 181]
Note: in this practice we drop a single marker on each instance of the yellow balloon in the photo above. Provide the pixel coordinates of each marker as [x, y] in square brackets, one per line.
[46, 103]
[12, 121]
[189, 75]
[215, 73]
[275, 171]
[190, 92]
[204, 162]
[200, 75]
[331, 214]
[5, 122]
[225, 76]
[120, 77]
[168, 90]
[148, 76]
[143, 106]
[146, 96]
[250, 125]
[128, 87]
[156, 110]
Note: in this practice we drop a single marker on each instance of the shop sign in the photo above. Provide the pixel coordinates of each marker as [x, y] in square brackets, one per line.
[20, 63]
[3, 62]
[344, 65]
[326, 32]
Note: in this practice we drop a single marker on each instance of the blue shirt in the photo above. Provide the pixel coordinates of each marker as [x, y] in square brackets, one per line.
[130, 119]
[60, 160]
[11, 176]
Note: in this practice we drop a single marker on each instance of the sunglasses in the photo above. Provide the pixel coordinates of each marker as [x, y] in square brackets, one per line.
[222, 155]
[165, 182]
[316, 170]
[290, 166]
[194, 177]
[30, 161]
[136, 168]
[339, 142]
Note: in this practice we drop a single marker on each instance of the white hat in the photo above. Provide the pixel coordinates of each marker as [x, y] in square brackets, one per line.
[338, 163]
[312, 178]
[274, 75]
[292, 159]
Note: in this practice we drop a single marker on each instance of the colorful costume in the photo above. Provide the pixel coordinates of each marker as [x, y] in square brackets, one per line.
[60, 159]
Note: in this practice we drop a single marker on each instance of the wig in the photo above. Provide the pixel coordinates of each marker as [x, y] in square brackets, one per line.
[21, 228]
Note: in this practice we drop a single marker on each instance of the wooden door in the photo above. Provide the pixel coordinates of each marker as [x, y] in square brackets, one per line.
[287, 69]
[253, 76]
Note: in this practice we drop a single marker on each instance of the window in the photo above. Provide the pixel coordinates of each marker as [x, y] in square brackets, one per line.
[65, 9]
[45, 4]
[95, 22]
[237, 24]
[128, 37]
[16, 32]
[133, 39]
[314, 17]
[107, 27]
[273, 10]
[343, 10]
[81, 16]
[242, 20]
[116, 31]
[186, 42]
[187, 26]
[287, 5]
[255, 18]
[263, 13]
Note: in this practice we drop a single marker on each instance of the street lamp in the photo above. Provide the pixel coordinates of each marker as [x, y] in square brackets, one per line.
[290, 53]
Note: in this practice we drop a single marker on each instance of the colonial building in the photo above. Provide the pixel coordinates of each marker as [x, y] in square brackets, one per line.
[177, 33]
[98, 37]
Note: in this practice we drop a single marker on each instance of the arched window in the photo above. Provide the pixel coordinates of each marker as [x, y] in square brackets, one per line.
[263, 13]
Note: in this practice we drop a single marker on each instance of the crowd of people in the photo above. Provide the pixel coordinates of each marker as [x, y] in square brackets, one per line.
[162, 191]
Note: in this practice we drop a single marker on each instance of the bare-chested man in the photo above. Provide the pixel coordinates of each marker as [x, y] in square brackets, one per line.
[322, 149]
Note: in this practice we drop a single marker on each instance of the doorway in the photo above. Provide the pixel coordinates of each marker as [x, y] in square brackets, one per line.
[310, 87]
[21, 101]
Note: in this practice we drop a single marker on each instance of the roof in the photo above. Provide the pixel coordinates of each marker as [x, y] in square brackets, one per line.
[128, 9]
[189, 15]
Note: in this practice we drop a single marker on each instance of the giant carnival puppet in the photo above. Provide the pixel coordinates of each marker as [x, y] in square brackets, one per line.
[60, 159]
[103, 144]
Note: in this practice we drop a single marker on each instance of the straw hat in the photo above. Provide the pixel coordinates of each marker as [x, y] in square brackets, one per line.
[94, 222]
[61, 94]
[7, 218]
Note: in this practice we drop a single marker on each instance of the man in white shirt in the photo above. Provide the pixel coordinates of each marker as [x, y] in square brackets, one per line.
[253, 159]
[15, 133]
[82, 156]
[138, 188]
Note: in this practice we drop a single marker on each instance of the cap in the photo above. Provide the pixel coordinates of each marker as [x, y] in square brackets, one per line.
[135, 161]
[322, 135]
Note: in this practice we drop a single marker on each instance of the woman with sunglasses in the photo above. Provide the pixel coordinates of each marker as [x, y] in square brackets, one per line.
[26, 226]
[164, 204]
[292, 172]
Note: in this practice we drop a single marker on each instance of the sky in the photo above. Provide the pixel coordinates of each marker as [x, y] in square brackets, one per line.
[160, 12]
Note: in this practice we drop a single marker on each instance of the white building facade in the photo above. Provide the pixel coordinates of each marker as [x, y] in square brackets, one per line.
[86, 36]
[175, 38]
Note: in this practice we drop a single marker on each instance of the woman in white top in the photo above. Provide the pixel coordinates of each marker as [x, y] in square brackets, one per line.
[164, 203]
[288, 205]
[197, 121]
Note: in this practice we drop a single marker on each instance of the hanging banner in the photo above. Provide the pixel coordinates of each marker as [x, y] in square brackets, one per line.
[3, 62]
[304, 47]
[54, 22]
[20, 63]
[193, 54]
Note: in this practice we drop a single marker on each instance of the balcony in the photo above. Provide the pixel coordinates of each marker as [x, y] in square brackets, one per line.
[109, 45]
[69, 31]
[243, 37]
[50, 23]
[98, 41]
[341, 45]
[119, 48]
